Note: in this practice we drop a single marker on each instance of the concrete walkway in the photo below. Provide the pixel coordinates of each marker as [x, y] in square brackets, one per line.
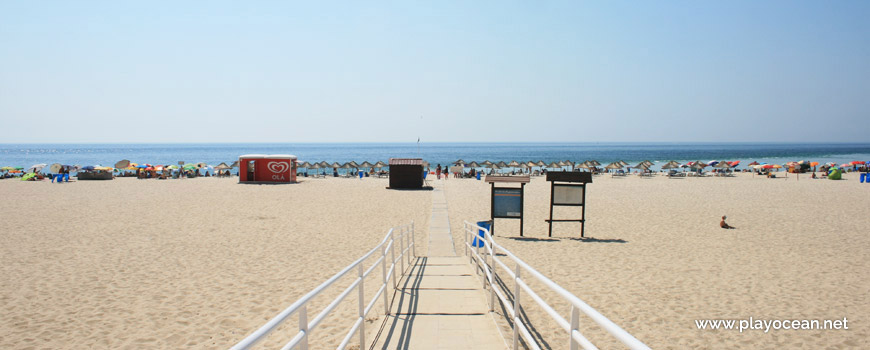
[440, 305]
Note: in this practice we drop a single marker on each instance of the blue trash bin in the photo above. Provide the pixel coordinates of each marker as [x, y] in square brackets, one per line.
[360, 174]
[863, 177]
[478, 242]
[478, 176]
[424, 174]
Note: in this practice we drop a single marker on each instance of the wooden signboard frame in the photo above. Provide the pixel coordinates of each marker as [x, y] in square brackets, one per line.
[569, 179]
[522, 180]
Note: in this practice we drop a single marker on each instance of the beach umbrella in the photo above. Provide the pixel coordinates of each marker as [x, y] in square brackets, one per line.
[323, 164]
[353, 164]
[55, 168]
[347, 165]
[712, 162]
[698, 165]
[562, 163]
[28, 176]
[857, 162]
[553, 165]
[36, 168]
[222, 166]
[380, 164]
[474, 164]
[335, 165]
[777, 166]
[8, 168]
[722, 165]
[501, 164]
[366, 164]
[122, 164]
[459, 162]
[235, 164]
[88, 167]
[614, 166]
[486, 163]
[540, 163]
[736, 162]
[582, 166]
[513, 164]
[670, 165]
[753, 163]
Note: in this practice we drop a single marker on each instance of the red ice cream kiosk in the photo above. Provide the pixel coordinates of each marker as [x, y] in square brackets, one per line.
[267, 169]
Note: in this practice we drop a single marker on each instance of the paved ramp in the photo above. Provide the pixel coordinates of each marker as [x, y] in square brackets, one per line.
[440, 304]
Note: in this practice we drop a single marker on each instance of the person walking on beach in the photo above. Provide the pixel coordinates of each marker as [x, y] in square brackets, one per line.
[438, 172]
[724, 225]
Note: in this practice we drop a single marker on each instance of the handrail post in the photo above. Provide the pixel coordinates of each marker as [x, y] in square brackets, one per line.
[465, 235]
[492, 279]
[516, 306]
[477, 247]
[362, 308]
[575, 325]
[384, 277]
[393, 258]
[413, 239]
[303, 327]
[402, 250]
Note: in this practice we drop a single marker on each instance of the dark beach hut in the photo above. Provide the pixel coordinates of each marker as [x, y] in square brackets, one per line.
[406, 173]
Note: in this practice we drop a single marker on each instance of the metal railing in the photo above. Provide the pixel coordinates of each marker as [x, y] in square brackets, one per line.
[488, 261]
[396, 239]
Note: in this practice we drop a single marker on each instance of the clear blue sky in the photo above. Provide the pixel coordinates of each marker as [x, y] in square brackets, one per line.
[234, 71]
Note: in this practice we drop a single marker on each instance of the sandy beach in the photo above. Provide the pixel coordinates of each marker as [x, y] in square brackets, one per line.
[655, 258]
[201, 263]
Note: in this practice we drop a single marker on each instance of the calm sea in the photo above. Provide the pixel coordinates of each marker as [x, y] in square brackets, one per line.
[26, 155]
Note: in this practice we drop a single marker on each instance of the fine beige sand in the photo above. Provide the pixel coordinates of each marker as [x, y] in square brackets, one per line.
[194, 263]
[655, 258]
[150, 264]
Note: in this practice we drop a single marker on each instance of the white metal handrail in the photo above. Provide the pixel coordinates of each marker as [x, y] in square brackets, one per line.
[396, 238]
[487, 261]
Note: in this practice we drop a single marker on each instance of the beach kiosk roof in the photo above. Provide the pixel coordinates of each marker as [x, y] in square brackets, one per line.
[267, 169]
[406, 173]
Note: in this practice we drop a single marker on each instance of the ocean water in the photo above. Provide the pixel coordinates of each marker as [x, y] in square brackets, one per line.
[26, 155]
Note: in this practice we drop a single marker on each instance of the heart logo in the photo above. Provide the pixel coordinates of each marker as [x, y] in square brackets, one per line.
[278, 167]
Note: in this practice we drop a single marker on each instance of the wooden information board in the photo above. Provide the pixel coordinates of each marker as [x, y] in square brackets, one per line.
[568, 189]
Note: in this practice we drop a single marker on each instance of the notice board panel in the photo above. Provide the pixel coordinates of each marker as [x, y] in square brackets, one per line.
[507, 202]
[567, 194]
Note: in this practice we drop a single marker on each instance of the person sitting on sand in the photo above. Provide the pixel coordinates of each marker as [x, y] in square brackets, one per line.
[722, 224]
